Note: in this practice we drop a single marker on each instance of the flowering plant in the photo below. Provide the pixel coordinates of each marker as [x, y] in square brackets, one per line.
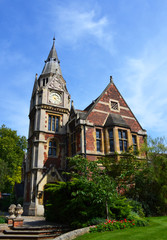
[110, 225]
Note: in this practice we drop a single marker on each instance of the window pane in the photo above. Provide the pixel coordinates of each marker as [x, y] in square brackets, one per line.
[110, 133]
[124, 134]
[54, 151]
[120, 134]
[57, 124]
[49, 123]
[111, 145]
[98, 135]
[53, 123]
[134, 139]
[125, 146]
[121, 145]
[98, 143]
[50, 151]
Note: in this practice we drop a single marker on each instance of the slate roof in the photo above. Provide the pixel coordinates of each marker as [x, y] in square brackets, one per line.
[115, 120]
[82, 114]
[52, 64]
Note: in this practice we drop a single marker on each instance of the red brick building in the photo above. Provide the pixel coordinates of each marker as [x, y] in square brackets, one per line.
[57, 130]
[106, 126]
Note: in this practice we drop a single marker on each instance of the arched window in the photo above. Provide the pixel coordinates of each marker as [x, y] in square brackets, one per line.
[52, 148]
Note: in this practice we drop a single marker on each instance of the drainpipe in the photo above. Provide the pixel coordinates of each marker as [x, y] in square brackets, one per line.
[84, 141]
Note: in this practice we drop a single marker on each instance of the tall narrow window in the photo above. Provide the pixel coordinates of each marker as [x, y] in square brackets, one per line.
[53, 123]
[52, 148]
[123, 141]
[111, 140]
[98, 140]
[134, 139]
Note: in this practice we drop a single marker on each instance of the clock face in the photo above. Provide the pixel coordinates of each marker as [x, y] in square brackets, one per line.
[55, 98]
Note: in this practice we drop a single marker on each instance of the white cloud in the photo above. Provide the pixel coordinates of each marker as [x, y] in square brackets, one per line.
[146, 82]
[74, 24]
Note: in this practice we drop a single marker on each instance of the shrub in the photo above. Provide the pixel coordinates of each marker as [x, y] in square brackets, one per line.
[2, 219]
[71, 203]
[119, 207]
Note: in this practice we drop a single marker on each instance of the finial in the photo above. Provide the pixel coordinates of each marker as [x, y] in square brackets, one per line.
[72, 103]
[36, 76]
[111, 79]
[54, 38]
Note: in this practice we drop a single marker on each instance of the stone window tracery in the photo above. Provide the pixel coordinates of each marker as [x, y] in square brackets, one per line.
[53, 123]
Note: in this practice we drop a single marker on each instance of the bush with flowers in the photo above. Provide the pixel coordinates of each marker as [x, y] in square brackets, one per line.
[110, 225]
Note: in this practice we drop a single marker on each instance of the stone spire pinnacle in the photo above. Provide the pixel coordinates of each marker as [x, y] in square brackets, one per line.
[52, 64]
[53, 54]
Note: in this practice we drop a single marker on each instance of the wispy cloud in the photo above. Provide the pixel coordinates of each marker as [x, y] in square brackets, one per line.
[147, 84]
[75, 24]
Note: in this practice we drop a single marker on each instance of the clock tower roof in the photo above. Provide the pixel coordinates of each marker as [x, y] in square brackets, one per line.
[52, 64]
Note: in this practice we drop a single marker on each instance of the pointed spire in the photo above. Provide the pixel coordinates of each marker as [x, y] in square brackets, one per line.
[53, 54]
[52, 64]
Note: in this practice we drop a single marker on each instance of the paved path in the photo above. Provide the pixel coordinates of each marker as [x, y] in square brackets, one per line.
[31, 221]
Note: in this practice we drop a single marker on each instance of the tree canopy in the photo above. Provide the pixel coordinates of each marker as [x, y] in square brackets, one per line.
[12, 150]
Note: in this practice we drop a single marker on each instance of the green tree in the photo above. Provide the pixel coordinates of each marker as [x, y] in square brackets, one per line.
[103, 187]
[150, 182]
[12, 149]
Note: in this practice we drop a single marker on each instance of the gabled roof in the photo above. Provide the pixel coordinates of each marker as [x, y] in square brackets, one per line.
[74, 111]
[90, 107]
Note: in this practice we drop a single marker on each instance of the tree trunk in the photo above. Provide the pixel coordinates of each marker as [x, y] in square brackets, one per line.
[107, 211]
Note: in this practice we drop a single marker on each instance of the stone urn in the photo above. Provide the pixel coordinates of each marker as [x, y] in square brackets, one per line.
[18, 211]
[11, 211]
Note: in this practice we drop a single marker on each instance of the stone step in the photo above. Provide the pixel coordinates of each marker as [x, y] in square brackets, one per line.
[25, 237]
[32, 232]
[41, 228]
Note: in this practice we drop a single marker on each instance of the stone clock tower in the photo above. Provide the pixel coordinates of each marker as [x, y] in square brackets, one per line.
[49, 113]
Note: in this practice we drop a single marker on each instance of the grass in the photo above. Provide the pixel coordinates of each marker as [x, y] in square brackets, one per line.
[157, 230]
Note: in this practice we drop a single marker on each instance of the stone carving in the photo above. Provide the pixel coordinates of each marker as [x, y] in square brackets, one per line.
[11, 211]
[57, 84]
[18, 211]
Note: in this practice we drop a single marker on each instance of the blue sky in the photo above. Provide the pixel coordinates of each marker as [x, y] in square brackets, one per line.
[94, 39]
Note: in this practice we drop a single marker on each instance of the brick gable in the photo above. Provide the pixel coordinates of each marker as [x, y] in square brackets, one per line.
[102, 108]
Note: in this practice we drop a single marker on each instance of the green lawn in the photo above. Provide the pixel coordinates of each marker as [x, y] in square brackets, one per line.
[157, 230]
